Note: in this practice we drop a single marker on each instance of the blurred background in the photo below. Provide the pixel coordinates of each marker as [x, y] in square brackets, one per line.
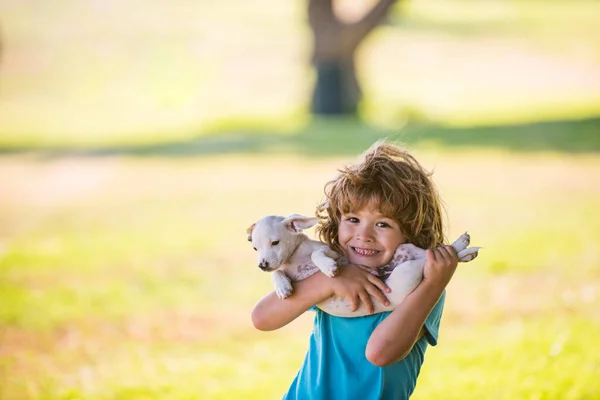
[139, 140]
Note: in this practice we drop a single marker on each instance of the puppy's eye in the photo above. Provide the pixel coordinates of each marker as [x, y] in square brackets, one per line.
[274, 242]
[255, 249]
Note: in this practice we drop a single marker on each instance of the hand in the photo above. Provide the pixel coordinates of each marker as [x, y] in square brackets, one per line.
[355, 284]
[440, 265]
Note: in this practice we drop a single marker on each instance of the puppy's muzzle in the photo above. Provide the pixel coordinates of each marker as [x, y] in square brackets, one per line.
[264, 265]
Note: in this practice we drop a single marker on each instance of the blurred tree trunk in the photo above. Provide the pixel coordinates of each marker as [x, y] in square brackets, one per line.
[337, 90]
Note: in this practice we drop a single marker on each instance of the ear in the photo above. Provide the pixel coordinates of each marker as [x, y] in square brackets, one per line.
[296, 222]
[249, 231]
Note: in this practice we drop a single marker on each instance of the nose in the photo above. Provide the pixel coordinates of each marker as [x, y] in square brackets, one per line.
[264, 265]
[364, 233]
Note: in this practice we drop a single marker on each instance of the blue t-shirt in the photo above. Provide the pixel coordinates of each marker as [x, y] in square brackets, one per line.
[335, 366]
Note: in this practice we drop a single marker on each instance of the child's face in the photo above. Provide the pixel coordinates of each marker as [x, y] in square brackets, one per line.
[369, 238]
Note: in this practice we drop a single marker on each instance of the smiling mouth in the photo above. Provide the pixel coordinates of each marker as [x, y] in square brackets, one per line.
[365, 252]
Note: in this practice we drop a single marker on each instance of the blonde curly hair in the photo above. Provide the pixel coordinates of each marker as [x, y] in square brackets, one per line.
[403, 190]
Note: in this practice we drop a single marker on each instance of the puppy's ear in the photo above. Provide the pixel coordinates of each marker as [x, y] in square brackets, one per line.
[249, 231]
[296, 222]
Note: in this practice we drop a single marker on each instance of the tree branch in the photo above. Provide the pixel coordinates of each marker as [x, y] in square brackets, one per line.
[364, 26]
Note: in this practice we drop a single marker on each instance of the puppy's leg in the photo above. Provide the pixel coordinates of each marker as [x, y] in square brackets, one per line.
[462, 242]
[324, 259]
[283, 286]
[404, 279]
[468, 254]
[463, 252]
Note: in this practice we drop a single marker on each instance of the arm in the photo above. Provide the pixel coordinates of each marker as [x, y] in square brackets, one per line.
[272, 313]
[402, 281]
[352, 283]
[395, 336]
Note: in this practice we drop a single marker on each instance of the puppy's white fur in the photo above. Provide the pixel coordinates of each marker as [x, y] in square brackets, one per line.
[291, 256]
[287, 252]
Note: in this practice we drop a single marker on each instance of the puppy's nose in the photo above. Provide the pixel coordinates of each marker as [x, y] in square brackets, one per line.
[264, 265]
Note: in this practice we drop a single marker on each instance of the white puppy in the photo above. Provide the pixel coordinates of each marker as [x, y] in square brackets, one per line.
[291, 256]
[287, 252]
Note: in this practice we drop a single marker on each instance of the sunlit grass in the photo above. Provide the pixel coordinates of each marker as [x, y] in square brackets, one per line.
[131, 278]
[124, 271]
[520, 358]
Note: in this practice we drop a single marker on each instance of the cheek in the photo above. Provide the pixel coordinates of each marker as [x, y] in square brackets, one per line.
[343, 235]
[394, 241]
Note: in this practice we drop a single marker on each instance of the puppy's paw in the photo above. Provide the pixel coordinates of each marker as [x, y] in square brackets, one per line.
[462, 242]
[329, 267]
[468, 254]
[283, 289]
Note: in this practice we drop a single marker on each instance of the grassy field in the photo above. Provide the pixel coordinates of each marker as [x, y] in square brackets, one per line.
[128, 277]
[138, 141]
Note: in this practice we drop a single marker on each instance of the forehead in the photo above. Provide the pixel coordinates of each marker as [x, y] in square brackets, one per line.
[268, 225]
[372, 208]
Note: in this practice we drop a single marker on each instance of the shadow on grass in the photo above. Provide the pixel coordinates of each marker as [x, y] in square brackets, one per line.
[342, 136]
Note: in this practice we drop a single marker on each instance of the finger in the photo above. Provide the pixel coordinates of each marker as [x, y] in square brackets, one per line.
[452, 251]
[448, 255]
[379, 283]
[442, 253]
[353, 304]
[364, 297]
[430, 254]
[375, 292]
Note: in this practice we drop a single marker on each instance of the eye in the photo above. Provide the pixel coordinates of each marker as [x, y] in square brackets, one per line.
[383, 225]
[354, 220]
[255, 249]
[274, 242]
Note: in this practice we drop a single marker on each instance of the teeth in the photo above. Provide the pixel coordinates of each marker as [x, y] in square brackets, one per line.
[365, 252]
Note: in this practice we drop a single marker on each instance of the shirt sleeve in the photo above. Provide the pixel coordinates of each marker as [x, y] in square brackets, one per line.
[432, 323]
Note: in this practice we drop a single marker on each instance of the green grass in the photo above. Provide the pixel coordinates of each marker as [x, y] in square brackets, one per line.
[137, 146]
[323, 137]
[130, 277]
